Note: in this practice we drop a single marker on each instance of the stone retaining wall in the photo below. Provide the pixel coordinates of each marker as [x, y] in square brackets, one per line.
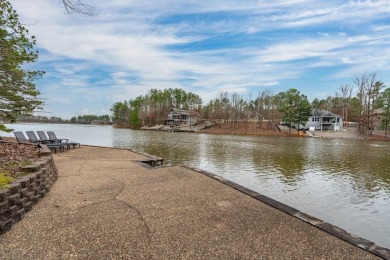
[26, 191]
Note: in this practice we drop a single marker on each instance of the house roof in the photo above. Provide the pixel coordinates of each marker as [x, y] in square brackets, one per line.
[323, 113]
[182, 111]
[179, 111]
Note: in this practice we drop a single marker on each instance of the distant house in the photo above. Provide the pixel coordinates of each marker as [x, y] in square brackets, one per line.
[178, 117]
[324, 120]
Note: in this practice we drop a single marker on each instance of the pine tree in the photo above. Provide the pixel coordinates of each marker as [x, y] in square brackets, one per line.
[18, 94]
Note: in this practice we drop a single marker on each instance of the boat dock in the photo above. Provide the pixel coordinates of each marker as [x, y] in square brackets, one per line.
[174, 128]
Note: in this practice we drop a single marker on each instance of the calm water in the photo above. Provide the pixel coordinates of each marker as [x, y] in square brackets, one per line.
[343, 182]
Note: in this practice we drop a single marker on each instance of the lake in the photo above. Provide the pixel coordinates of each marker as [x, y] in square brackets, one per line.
[341, 181]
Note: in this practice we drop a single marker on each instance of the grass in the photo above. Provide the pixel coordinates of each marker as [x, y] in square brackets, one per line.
[13, 157]
[5, 180]
[13, 169]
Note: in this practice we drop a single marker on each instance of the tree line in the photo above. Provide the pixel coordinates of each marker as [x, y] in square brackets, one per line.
[91, 119]
[83, 119]
[233, 109]
[362, 102]
[266, 110]
[153, 108]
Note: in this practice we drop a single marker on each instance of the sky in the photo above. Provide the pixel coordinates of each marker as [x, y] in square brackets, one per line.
[241, 46]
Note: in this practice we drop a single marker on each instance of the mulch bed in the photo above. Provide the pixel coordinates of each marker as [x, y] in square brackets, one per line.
[14, 155]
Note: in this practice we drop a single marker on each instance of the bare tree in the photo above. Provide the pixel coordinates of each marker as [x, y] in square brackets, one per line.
[225, 106]
[260, 109]
[265, 108]
[346, 93]
[375, 87]
[368, 91]
[361, 82]
[370, 101]
[235, 99]
[329, 103]
[272, 112]
[78, 6]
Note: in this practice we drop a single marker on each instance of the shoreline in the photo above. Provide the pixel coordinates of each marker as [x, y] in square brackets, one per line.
[345, 133]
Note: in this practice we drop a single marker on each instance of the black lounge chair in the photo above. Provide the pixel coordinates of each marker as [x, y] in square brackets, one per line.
[33, 139]
[20, 137]
[43, 138]
[54, 139]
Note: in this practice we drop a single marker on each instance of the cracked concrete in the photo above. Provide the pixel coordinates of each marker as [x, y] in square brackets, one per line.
[105, 205]
[130, 206]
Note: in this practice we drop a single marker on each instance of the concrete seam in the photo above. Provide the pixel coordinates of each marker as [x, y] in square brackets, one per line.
[161, 181]
[123, 185]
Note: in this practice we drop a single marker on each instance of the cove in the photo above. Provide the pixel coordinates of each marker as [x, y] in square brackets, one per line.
[341, 181]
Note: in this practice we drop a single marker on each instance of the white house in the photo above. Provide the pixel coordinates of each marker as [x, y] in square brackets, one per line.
[324, 120]
[179, 117]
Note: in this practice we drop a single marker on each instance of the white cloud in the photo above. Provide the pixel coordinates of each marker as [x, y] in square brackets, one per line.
[129, 47]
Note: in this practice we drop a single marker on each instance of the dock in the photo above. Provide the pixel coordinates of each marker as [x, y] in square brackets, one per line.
[109, 204]
[175, 128]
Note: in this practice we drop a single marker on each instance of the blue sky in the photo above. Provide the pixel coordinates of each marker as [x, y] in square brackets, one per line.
[205, 47]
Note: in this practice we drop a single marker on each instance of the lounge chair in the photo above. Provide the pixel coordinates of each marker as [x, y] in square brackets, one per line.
[20, 137]
[54, 139]
[33, 139]
[43, 138]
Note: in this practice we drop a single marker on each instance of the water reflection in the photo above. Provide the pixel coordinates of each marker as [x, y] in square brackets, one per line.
[344, 182]
[291, 164]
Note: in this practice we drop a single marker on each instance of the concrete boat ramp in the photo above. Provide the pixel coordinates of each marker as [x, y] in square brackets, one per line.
[108, 205]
